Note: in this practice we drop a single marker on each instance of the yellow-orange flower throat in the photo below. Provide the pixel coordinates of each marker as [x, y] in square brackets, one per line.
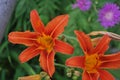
[46, 42]
[92, 62]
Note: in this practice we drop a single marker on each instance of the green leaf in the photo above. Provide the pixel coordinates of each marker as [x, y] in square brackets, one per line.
[21, 8]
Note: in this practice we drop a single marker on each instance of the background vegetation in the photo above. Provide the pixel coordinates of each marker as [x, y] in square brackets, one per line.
[11, 68]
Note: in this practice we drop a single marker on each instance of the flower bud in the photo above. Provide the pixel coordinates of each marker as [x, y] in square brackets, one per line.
[74, 77]
[43, 74]
[69, 74]
[47, 78]
[69, 70]
[77, 73]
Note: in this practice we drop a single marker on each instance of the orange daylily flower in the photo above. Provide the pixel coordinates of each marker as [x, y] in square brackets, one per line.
[43, 41]
[94, 62]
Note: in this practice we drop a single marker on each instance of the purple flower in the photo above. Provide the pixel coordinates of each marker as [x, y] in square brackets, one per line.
[84, 5]
[109, 15]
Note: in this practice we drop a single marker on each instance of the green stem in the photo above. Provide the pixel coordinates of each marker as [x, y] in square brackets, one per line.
[95, 3]
[69, 37]
[60, 65]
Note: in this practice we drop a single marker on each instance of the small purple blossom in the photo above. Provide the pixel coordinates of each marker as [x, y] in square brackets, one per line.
[109, 15]
[84, 5]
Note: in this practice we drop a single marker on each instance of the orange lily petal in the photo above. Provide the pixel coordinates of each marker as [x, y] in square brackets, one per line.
[36, 22]
[28, 54]
[77, 61]
[51, 67]
[26, 38]
[84, 41]
[104, 75]
[85, 76]
[111, 57]
[47, 62]
[111, 64]
[90, 76]
[94, 76]
[43, 61]
[63, 47]
[56, 26]
[102, 45]
[110, 61]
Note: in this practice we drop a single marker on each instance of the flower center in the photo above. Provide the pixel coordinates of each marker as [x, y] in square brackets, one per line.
[109, 15]
[45, 42]
[91, 63]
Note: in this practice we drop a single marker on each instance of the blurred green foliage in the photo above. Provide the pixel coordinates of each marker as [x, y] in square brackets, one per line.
[11, 68]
